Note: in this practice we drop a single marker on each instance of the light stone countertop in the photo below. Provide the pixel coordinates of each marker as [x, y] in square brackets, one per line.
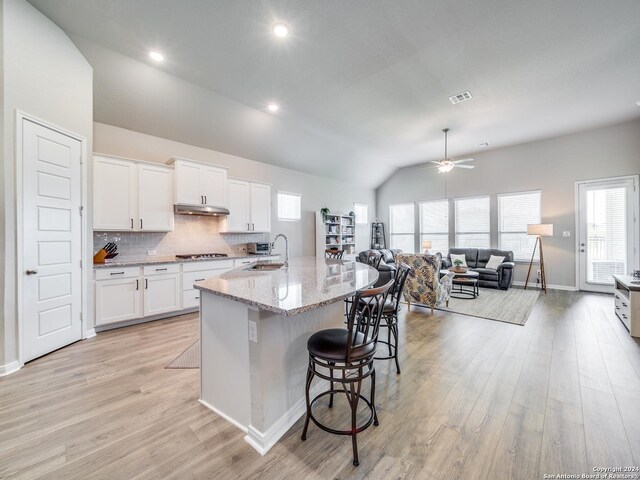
[307, 284]
[172, 259]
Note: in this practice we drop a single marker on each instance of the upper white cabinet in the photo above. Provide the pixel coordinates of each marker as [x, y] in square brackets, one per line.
[199, 184]
[131, 196]
[249, 207]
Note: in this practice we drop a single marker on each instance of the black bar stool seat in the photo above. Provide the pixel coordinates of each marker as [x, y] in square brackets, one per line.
[331, 344]
[388, 306]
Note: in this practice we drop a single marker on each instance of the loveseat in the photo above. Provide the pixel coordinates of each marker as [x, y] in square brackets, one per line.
[477, 258]
[387, 268]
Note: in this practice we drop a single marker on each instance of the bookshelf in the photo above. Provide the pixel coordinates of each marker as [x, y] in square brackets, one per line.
[338, 231]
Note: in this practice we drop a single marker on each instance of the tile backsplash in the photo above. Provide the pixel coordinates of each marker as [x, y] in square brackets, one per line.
[192, 234]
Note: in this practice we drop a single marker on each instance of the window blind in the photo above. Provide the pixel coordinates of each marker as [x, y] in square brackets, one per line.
[362, 213]
[515, 212]
[289, 206]
[473, 223]
[434, 225]
[402, 227]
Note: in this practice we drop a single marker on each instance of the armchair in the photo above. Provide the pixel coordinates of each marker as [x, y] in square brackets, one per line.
[424, 285]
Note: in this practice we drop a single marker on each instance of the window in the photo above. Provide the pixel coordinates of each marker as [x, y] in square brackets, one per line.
[434, 225]
[362, 213]
[515, 212]
[473, 222]
[289, 206]
[401, 219]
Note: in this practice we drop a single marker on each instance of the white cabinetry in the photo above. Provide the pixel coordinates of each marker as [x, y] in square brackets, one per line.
[249, 207]
[118, 295]
[131, 196]
[199, 184]
[197, 272]
[627, 303]
[162, 289]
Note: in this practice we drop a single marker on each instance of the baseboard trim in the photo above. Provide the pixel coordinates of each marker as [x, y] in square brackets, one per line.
[90, 333]
[151, 318]
[263, 441]
[568, 288]
[9, 368]
[223, 415]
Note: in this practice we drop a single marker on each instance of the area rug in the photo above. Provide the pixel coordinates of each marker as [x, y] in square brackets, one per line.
[510, 306]
[190, 358]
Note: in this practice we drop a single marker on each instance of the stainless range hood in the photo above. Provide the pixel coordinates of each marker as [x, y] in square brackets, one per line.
[204, 210]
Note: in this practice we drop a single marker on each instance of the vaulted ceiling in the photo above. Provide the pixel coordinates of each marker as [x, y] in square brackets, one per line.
[363, 85]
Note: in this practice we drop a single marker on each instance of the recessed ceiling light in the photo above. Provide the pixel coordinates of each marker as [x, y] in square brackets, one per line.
[280, 30]
[484, 144]
[156, 56]
[273, 107]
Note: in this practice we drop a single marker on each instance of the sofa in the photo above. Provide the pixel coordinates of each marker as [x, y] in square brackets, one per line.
[477, 259]
[387, 268]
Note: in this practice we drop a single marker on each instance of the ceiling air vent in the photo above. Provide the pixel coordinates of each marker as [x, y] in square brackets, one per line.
[460, 97]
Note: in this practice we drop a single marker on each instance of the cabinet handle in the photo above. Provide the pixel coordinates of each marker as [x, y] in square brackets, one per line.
[140, 224]
[202, 199]
[617, 307]
[624, 315]
[116, 273]
[205, 199]
[132, 224]
[253, 227]
[248, 226]
[161, 269]
[146, 283]
[624, 304]
[199, 280]
[197, 298]
[137, 284]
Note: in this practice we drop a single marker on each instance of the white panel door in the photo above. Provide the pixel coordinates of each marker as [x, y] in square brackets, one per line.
[155, 198]
[114, 194]
[260, 207]
[607, 232]
[52, 236]
[188, 182]
[118, 300]
[162, 293]
[238, 219]
[214, 183]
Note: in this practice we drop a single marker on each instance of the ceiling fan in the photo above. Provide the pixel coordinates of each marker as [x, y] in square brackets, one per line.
[447, 165]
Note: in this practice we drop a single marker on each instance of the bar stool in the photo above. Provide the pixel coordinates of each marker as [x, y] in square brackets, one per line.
[374, 259]
[390, 314]
[350, 351]
[334, 254]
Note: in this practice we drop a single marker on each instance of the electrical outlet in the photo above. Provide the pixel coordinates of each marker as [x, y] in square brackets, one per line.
[151, 252]
[566, 234]
[253, 331]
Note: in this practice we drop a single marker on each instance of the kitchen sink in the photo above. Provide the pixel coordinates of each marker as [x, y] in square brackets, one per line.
[266, 266]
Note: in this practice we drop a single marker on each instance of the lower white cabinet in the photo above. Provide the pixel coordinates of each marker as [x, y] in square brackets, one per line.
[162, 294]
[118, 295]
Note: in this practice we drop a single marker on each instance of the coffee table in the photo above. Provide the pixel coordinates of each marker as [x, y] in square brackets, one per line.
[467, 284]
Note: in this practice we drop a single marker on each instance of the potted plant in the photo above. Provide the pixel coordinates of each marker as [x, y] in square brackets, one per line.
[324, 211]
[457, 266]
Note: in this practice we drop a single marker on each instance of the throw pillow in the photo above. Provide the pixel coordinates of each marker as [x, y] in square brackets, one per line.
[494, 262]
[462, 257]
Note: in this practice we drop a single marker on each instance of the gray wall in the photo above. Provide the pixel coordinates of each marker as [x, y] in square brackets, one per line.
[552, 165]
[44, 75]
[317, 192]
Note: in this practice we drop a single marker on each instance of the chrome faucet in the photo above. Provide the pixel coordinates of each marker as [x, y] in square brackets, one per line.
[286, 246]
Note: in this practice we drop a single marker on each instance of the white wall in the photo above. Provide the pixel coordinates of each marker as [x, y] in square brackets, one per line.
[44, 75]
[552, 165]
[317, 192]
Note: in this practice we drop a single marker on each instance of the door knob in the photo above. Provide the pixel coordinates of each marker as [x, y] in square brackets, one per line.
[582, 250]
[582, 244]
[31, 272]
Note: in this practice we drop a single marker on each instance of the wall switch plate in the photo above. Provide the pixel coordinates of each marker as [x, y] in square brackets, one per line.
[566, 234]
[253, 331]
[151, 252]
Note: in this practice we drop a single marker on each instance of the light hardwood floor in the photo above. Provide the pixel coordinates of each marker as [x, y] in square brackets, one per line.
[476, 399]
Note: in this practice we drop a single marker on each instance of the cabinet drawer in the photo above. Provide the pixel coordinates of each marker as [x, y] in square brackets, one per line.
[161, 269]
[191, 298]
[209, 265]
[623, 310]
[244, 261]
[189, 278]
[114, 273]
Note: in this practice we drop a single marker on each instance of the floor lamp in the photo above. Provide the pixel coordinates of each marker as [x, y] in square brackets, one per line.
[539, 230]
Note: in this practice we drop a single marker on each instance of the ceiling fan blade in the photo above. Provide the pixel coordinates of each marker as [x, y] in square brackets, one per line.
[435, 161]
[463, 160]
[465, 166]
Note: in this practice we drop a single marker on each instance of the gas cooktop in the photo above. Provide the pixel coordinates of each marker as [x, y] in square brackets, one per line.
[194, 256]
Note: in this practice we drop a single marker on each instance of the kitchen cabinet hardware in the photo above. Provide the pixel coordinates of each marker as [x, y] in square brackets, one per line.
[116, 273]
[197, 298]
[161, 269]
[31, 272]
[146, 283]
[137, 284]
[199, 280]
[140, 224]
[132, 224]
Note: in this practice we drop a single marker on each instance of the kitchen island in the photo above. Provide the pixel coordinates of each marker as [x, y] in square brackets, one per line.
[254, 326]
